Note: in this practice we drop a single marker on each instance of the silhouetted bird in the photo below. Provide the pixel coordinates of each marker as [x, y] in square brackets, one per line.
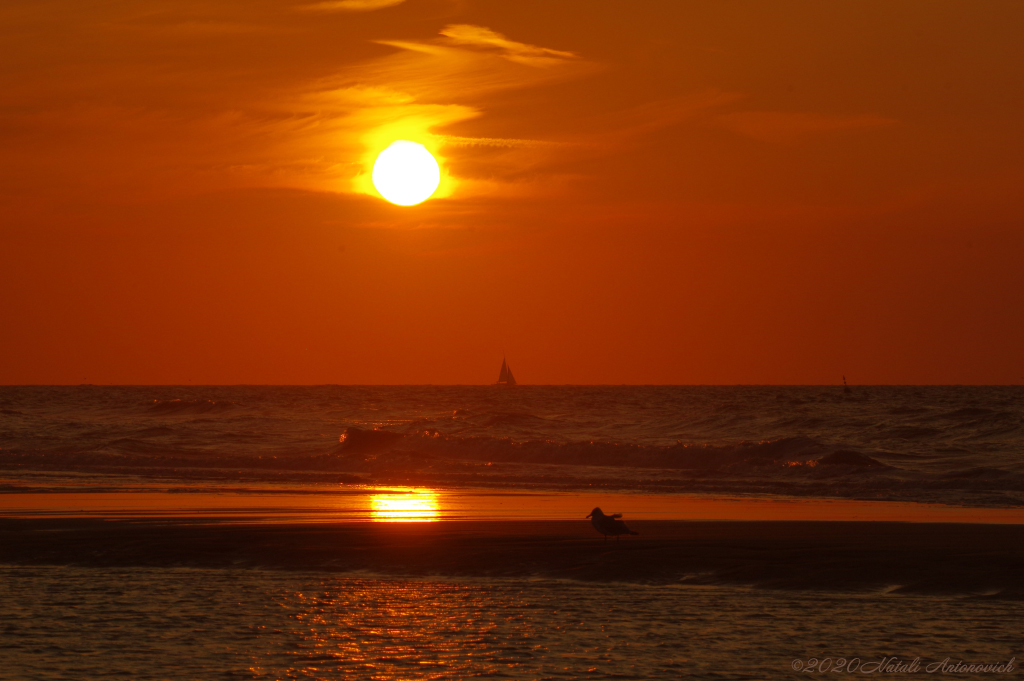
[608, 525]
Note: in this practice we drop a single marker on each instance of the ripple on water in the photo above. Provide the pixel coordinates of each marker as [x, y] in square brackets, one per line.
[186, 624]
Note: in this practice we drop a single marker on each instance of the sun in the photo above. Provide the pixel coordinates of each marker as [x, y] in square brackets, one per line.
[405, 173]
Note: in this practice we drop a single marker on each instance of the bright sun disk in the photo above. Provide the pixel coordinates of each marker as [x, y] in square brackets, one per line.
[405, 173]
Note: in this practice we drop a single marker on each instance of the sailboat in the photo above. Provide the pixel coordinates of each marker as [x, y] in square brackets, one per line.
[506, 377]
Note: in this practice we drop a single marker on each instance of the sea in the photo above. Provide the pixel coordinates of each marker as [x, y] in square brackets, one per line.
[87, 623]
[960, 446]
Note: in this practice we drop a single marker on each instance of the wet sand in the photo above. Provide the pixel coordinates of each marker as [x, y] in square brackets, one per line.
[850, 545]
[372, 504]
[979, 559]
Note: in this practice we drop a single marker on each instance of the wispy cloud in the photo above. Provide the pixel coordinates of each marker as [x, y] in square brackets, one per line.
[468, 67]
[499, 142]
[523, 53]
[784, 126]
[350, 5]
[414, 93]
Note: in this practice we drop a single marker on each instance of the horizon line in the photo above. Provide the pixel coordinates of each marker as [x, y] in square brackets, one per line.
[519, 385]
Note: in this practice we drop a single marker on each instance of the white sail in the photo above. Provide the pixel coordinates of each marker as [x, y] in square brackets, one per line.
[506, 377]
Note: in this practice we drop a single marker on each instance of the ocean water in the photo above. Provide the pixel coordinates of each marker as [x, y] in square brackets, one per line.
[946, 444]
[206, 624]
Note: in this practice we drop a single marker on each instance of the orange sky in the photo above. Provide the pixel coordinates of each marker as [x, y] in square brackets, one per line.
[634, 192]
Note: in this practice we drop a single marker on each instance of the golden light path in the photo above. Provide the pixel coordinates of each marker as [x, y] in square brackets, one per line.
[418, 506]
[406, 173]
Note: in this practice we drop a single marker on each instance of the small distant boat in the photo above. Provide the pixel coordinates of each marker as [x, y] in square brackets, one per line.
[506, 377]
[846, 388]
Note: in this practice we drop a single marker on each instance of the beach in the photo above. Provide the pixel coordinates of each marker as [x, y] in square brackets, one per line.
[938, 558]
[436, 533]
[197, 598]
[766, 542]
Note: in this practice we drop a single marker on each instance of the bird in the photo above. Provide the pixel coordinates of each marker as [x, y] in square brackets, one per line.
[608, 525]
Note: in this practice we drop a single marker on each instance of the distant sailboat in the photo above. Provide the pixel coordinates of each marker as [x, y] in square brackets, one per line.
[846, 388]
[506, 377]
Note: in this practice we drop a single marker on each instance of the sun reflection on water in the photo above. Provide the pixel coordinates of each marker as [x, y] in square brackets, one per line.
[416, 506]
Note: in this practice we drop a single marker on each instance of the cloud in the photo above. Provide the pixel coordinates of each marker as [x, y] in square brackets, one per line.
[499, 142]
[783, 127]
[178, 112]
[425, 86]
[351, 5]
[479, 36]
[465, 69]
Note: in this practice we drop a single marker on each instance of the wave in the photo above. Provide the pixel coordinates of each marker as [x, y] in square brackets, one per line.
[155, 431]
[843, 457]
[355, 442]
[912, 432]
[974, 413]
[911, 442]
[364, 448]
[178, 406]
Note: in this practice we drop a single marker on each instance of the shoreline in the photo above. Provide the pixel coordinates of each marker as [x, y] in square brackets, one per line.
[982, 561]
[396, 504]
